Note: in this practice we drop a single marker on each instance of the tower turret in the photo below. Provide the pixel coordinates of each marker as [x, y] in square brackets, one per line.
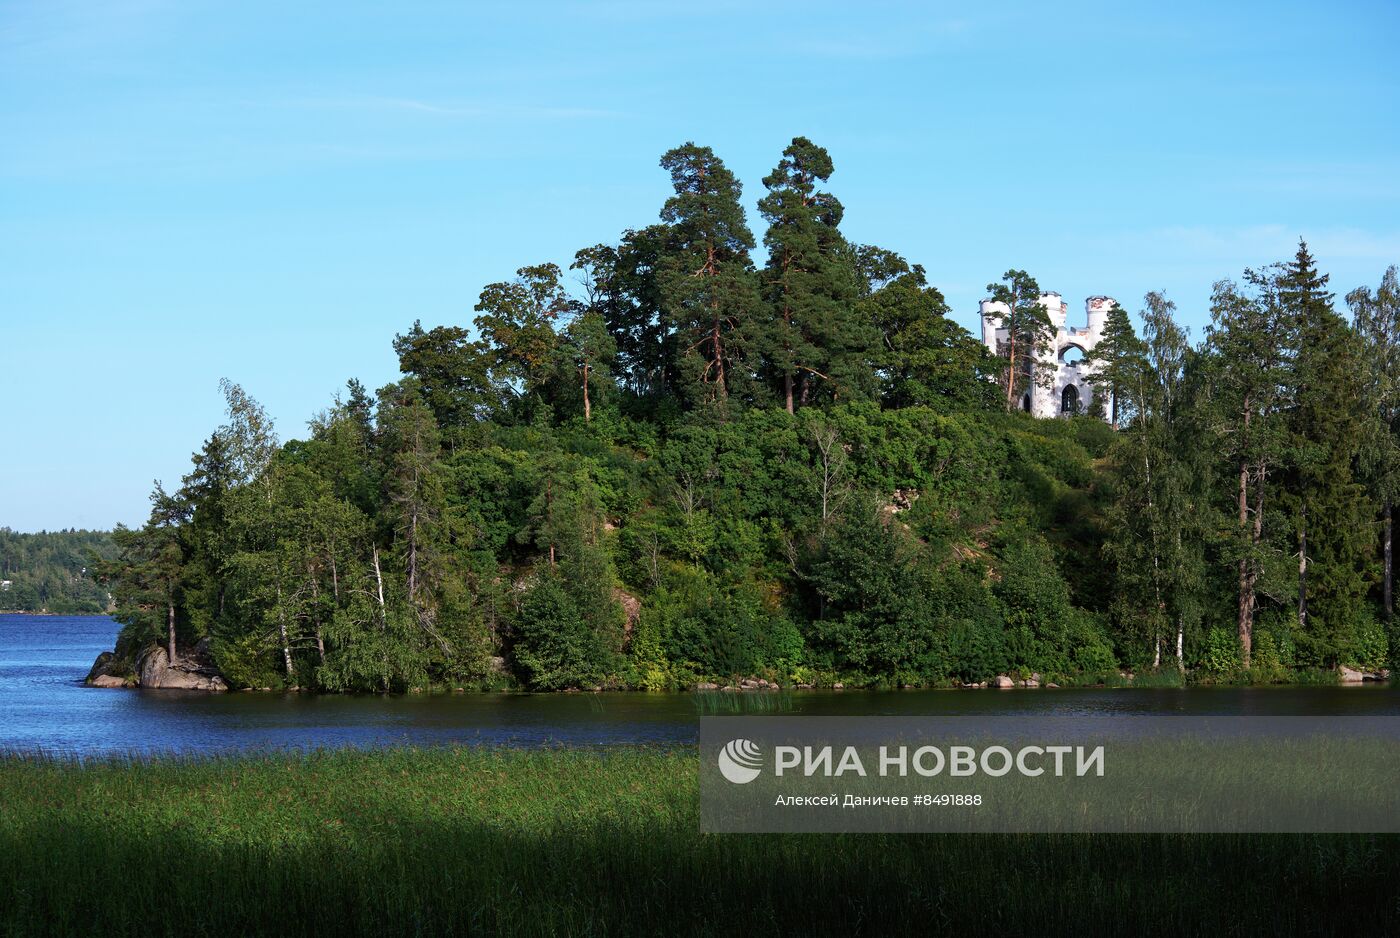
[992, 313]
[1096, 309]
[1056, 309]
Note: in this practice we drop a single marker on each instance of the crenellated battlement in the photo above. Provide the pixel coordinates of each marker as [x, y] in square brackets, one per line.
[1064, 356]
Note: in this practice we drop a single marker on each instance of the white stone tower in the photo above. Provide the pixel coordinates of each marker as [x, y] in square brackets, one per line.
[1063, 357]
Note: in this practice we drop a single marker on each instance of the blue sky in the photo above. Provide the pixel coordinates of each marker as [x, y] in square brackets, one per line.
[269, 191]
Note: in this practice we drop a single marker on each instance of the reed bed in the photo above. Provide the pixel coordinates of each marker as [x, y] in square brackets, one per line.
[596, 842]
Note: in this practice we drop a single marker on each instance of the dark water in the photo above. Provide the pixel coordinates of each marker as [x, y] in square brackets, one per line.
[43, 705]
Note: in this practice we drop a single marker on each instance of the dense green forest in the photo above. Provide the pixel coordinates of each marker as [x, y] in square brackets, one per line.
[677, 461]
[52, 571]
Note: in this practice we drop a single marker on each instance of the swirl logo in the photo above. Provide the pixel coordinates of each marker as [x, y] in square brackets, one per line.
[740, 761]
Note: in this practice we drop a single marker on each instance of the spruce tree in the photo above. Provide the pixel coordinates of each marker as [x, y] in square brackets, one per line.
[1250, 345]
[1325, 426]
[414, 506]
[1377, 321]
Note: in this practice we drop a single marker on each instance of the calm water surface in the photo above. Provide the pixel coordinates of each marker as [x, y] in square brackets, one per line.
[44, 705]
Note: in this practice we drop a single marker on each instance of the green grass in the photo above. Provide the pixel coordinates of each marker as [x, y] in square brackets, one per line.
[461, 841]
[720, 703]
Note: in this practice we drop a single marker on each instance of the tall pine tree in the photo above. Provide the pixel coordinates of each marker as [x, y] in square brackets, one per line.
[1028, 333]
[1119, 357]
[706, 276]
[813, 342]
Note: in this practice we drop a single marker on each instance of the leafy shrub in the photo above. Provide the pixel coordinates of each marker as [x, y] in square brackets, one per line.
[1095, 656]
[246, 661]
[1221, 655]
[1369, 649]
[705, 629]
[974, 651]
[555, 646]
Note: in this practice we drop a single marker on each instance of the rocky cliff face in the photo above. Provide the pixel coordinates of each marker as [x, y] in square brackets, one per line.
[192, 671]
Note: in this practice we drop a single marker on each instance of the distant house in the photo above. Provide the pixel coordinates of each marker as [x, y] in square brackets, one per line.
[5, 585]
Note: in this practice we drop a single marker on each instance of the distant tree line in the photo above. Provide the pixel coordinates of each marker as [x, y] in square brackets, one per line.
[673, 463]
[52, 571]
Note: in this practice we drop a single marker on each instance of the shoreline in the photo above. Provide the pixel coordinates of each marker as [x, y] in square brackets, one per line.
[756, 693]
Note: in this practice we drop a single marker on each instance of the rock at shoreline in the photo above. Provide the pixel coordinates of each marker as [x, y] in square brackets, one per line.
[107, 672]
[190, 672]
[1352, 676]
[100, 666]
[1001, 680]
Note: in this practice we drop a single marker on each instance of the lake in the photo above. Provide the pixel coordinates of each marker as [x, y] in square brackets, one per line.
[44, 706]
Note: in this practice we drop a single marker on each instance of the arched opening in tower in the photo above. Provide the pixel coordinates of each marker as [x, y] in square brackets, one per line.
[1026, 403]
[1072, 354]
[1069, 401]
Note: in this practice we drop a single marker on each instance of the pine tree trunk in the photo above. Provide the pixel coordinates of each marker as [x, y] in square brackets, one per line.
[1303, 572]
[1257, 538]
[170, 630]
[1389, 608]
[1246, 598]
[718, 352]
[1010, 366]
[787, 347]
